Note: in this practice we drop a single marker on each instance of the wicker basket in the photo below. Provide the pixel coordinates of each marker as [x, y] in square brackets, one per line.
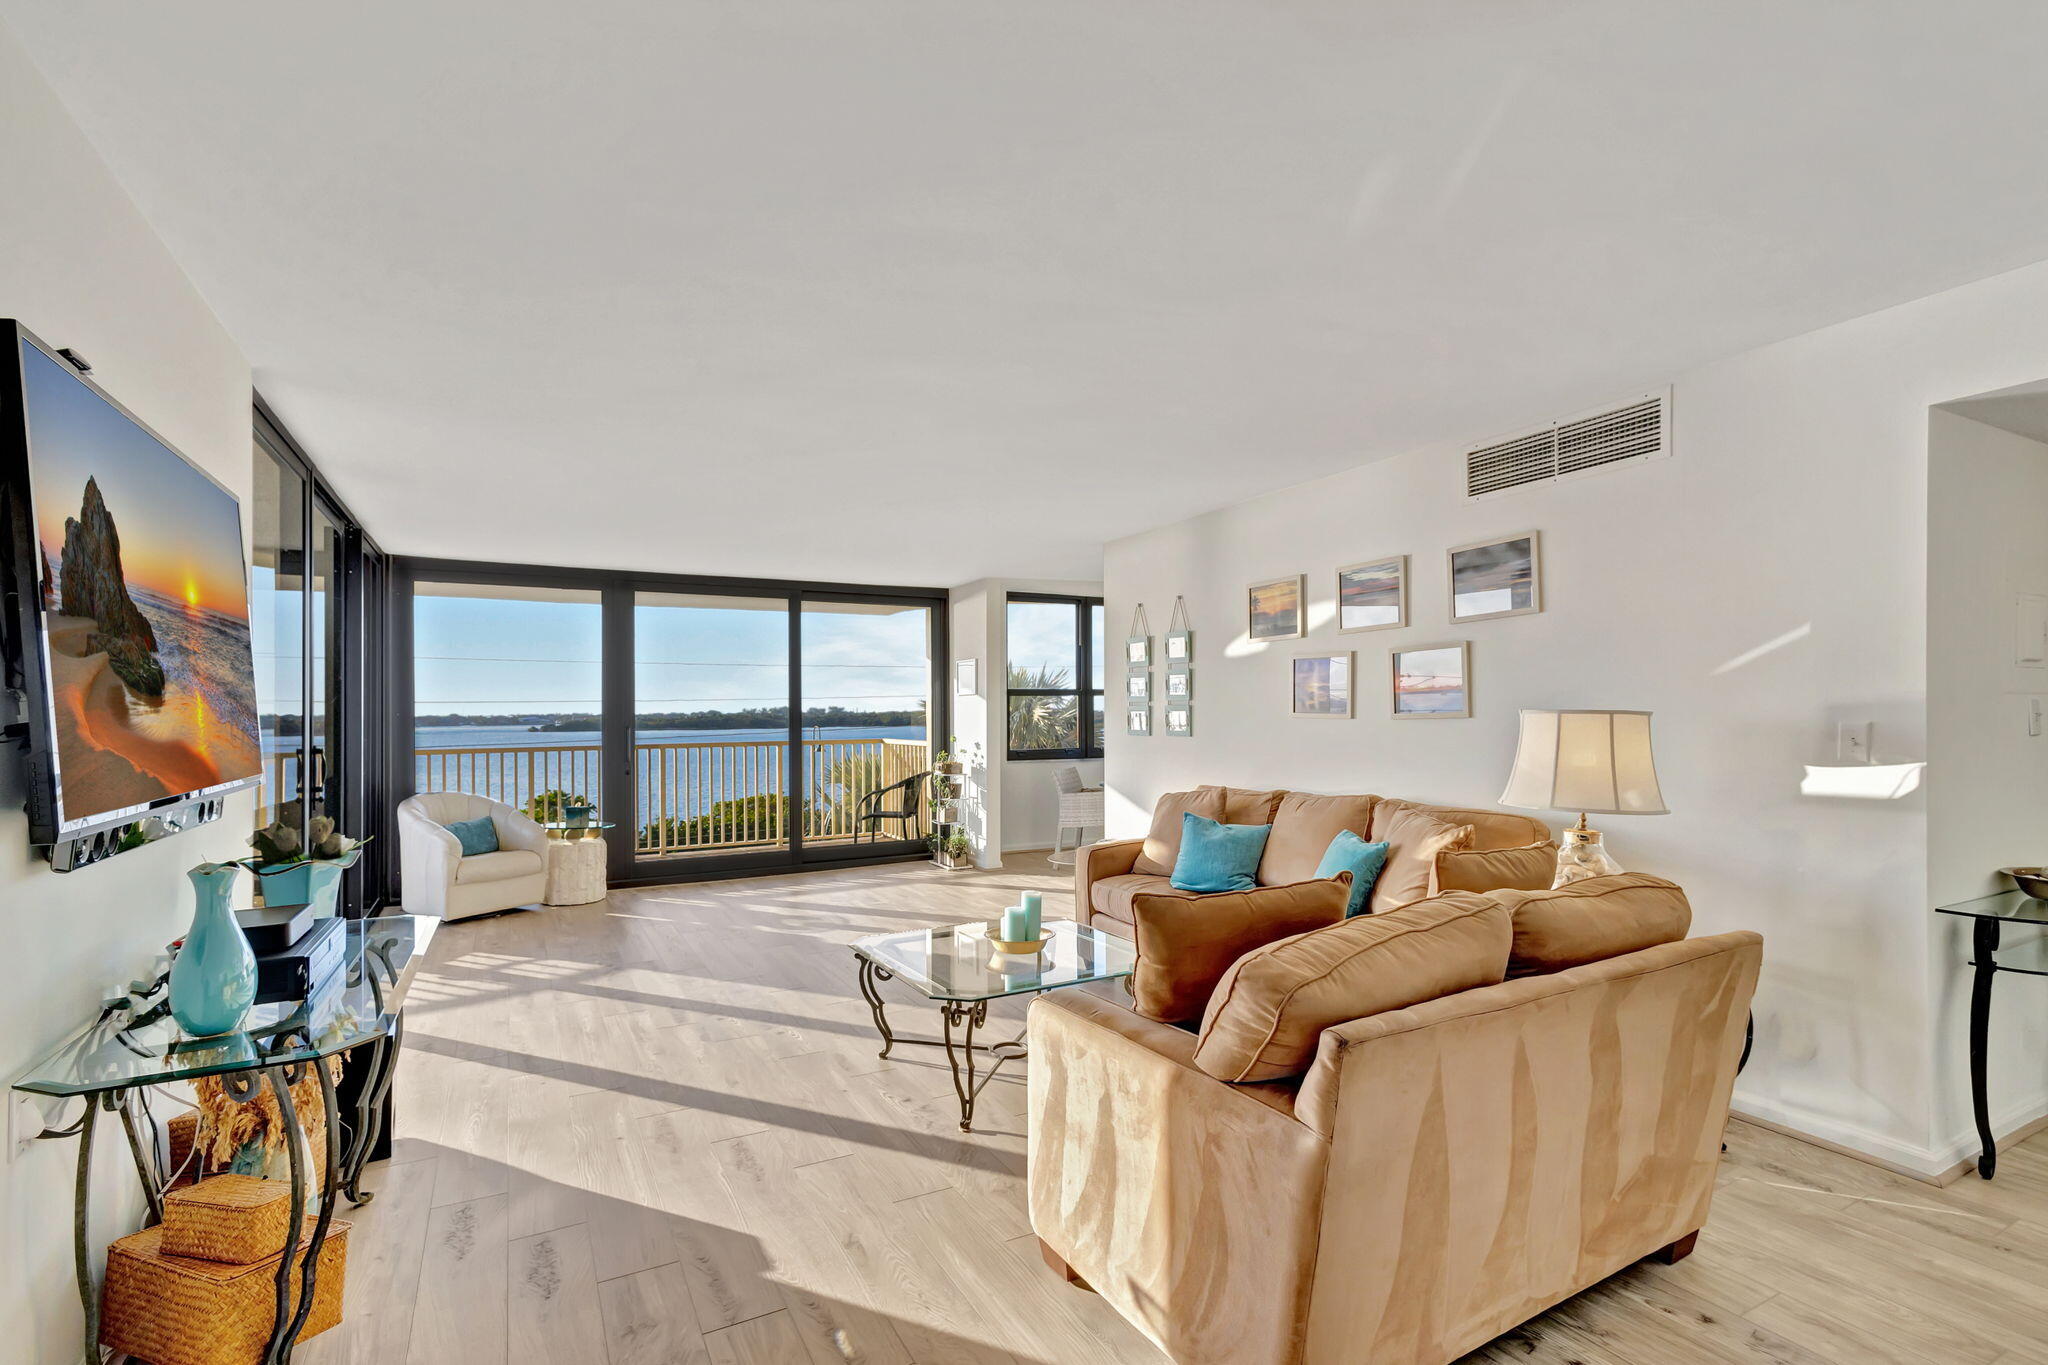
[180, 1133]
[233, 1219]
[173, 1310]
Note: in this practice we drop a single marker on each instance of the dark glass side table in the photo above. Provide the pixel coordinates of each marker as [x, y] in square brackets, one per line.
[1989, 915]
[109, 1062]
[960, 971]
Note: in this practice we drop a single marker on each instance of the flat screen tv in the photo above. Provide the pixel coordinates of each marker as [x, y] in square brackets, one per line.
[128, 620]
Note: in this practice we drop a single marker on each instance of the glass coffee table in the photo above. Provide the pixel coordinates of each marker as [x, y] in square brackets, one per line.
[959, 970]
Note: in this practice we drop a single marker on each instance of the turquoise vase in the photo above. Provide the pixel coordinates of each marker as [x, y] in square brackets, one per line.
[213, 980]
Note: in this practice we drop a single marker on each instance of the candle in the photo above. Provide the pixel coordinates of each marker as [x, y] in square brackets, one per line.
[1033, 903]
[1016, 925]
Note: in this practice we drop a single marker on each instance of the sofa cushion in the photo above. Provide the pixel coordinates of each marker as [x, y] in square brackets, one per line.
[1217, 857]
[498, 867]
[1271, 1007]
[1162, 845]
[1111, 896]
[1350, 854]
[1245, 806]
[1303, 826]
[1529, 868]
[1187, 943]
[1587, 921]
[477, 837]
[1490, 828]
[1417, 835]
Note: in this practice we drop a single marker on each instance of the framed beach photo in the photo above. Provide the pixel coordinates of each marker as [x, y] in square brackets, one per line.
[1138, 651]
[1433, 681]
[1138, 720]
[1276, 608]
[1139, 687]
[1499, 577]
[1322, 684]
[1180, 720]
[1373, 595]
[1180, 685]
[1180, 646]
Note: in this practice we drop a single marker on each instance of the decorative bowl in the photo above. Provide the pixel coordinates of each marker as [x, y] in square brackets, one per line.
[1014, 948]
[2032, 880]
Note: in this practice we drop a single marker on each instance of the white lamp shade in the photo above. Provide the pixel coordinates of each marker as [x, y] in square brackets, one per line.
[1593, 761]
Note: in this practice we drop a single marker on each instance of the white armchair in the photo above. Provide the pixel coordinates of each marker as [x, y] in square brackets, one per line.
[435, 879]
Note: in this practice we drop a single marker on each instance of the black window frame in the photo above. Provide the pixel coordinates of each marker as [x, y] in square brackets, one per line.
[362, 805]
[1084, 690]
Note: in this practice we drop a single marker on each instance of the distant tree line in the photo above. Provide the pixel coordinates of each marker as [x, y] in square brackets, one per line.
[755, 718]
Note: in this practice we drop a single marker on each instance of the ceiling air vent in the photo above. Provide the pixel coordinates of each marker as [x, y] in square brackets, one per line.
[1582, 444]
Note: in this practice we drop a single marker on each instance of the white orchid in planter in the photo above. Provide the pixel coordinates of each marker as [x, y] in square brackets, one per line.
[300, 862]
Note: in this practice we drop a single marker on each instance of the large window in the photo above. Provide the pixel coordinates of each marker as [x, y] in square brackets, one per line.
[1054, 676]
[720, 726]
[316, 618]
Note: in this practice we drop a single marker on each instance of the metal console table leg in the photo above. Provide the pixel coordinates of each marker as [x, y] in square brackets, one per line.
[1984, 944]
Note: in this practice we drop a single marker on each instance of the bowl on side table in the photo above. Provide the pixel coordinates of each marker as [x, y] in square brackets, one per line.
[2032, 880]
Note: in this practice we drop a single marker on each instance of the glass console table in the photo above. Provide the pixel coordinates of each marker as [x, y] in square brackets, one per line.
[109, 1062]
[1989, 915]
[961, 971]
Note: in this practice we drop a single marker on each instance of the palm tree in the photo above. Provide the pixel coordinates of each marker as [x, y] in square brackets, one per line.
[1050, 720]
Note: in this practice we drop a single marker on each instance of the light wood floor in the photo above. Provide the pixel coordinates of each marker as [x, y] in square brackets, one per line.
[655, 1130]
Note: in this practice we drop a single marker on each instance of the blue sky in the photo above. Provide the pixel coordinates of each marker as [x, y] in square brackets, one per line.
[517, 657]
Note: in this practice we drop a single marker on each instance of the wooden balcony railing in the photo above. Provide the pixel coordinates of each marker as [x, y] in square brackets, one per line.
[701, 797]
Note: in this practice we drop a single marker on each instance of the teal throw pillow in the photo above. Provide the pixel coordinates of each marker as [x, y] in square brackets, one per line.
[1218, 857]
[1364, 861]
[476, 836]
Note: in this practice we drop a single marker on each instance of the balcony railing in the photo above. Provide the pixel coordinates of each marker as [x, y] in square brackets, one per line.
[701, 797]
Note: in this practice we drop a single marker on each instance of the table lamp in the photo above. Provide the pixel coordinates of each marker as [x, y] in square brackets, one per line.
[1593, 762]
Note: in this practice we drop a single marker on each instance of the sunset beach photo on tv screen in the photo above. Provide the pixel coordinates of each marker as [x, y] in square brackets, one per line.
[145, 606]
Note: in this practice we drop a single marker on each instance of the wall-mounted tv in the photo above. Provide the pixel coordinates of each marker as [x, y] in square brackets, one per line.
[128, 620]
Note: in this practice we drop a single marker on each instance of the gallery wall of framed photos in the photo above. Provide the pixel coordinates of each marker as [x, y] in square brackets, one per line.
[1484, 580]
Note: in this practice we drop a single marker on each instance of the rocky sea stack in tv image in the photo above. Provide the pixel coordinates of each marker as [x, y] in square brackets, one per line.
[145, 607]
[93, 588]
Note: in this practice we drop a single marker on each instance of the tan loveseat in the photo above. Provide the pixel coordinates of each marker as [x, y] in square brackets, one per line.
[1433, 1175]
[1108, 875]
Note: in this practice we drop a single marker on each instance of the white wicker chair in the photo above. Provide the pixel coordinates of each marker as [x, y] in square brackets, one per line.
[1080, 811]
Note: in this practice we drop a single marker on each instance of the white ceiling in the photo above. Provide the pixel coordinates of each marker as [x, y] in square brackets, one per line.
[919, 292]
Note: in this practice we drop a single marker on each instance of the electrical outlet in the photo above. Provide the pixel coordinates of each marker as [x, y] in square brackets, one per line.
[2034, 717]
[1855, 741]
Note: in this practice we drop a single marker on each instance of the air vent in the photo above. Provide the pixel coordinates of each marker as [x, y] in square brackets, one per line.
[1629, 434]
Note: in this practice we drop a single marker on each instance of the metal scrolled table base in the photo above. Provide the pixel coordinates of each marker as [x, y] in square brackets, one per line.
[962, 1015]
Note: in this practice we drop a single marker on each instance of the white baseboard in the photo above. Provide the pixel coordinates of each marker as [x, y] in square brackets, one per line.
[1937, 1165]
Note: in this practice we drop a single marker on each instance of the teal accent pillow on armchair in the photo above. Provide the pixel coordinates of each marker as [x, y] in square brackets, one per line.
[1364, 861]
[1218, 857]
[476, 836]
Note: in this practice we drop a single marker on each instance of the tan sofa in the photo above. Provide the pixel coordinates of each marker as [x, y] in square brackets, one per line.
[1107, 875]
[1439, 1174]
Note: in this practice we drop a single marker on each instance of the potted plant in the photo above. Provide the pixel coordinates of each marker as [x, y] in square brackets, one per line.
[300, 862]
[951, 849]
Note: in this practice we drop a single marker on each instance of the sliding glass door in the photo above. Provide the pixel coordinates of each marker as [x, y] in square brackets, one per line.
[710, 769]
[721, 727]
[866, 708]
[317, 617]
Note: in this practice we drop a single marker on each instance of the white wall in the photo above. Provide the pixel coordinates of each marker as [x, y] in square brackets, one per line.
[1987, 507]
[1011, 804]
[80, 267]
[1765, 584]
